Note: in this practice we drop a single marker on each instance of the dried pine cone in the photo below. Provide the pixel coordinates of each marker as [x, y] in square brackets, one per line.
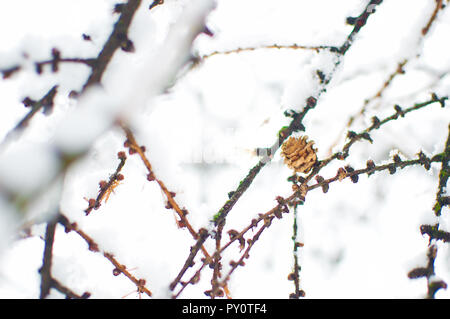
[299, 154]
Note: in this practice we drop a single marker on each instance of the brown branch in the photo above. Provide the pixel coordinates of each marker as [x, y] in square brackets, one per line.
[8, 72]
[439, 6]
[217, 265]
[107, 187]
[93, 246]
[54, 63]
[433, 231]
[441, 199]
[47, 280]
[295, 274]
[68, 292]
[45, 104]
[349, 172]
[239, 236]
[359, 22]
[46, 269]
[192, 281]
[203, 235]
[270, 46]
[118, 39]
[134, 147]
[155, 3]
[234, 235]
[140, 283]
[234, 265]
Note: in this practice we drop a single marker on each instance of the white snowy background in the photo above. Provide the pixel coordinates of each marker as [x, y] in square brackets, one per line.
[360, 240]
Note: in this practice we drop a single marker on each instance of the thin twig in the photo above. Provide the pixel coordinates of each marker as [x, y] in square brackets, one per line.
[68, 292]
[399, 70]
[271, 46]
[93, 246]
[234, 265]
[107, 187]
[45, 104]
[295, 274]
[8, 72]
[118, 39]
[193, 280]
[433, 231]
[46, 269]
[203, 235]
[376, 124]
[441, 199]
[136, 148]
